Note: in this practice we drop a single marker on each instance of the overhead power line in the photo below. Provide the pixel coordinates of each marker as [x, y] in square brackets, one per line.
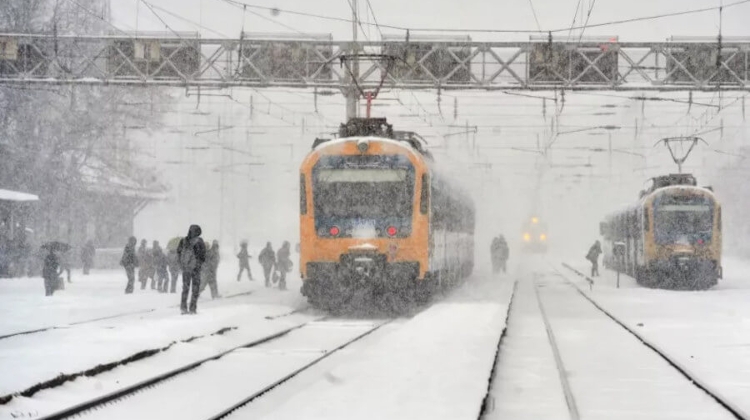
[533, 11]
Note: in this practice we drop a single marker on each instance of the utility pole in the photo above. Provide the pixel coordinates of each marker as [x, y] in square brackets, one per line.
[352, 95]
[221, 193]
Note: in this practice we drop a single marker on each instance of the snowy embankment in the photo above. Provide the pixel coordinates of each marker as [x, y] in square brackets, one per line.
[704, 331]
[436, 366]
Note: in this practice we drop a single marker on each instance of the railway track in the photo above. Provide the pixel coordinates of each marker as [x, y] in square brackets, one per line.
[251, 360]
[679, 367]
[104, 318]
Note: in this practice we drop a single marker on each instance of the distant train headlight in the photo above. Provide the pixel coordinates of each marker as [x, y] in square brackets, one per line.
[363, 146]
[542, 237]
[526, 237]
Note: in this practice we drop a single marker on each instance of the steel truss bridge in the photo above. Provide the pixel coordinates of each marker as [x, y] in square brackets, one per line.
[187, 60]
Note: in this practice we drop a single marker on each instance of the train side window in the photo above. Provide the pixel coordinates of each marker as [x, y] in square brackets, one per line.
[424, 199]
[646, 222]
[302, 195]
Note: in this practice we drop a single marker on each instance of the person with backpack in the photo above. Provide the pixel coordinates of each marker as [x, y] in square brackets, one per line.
[267, 260]
[192, 254]
[244, 259]
[283, 264]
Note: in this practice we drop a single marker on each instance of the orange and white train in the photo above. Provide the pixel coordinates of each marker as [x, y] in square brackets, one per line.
[377, 219]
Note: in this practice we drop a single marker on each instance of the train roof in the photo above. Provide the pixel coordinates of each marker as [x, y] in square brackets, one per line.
[378, 129]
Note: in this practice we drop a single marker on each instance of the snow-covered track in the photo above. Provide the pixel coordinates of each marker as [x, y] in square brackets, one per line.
[488, 401]
[147, 383]
[103, 318]
[249, 399]
[248, 362]
[732, 408]
[562, 373]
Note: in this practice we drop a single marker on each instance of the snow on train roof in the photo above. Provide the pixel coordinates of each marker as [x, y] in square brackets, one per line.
[342, 140]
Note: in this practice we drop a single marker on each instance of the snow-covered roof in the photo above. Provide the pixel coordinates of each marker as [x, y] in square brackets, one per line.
[8, 195]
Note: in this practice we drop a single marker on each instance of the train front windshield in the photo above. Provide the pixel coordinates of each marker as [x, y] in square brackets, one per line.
[683, 218]
[363, 192]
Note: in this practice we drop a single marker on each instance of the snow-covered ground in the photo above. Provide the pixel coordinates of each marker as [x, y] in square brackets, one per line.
[435, 364]
[705, 331]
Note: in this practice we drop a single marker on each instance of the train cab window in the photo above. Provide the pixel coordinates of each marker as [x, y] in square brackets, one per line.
[424, 199]
[302, 195]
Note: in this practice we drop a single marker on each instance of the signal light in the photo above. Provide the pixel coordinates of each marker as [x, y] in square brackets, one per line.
[526, 237]
[392, 231]
[542, 237]
[334, 231]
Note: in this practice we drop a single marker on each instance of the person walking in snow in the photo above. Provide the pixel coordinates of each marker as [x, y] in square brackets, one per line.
[211, 268]
[267, 260]
[593, 256]
[87, 256]
[283, 264]
[192, 255]
[244, 260]
[173, 263]
[51, 273]
[129, 262]
[160, 268]
[144, 263]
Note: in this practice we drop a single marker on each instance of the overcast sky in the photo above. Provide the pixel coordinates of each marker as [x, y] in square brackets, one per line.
[224, 18]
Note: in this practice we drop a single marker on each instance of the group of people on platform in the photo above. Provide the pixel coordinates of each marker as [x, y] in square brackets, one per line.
[199, 263]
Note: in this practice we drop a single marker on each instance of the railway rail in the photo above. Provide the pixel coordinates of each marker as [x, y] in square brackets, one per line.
[114, 399]
[694, 379]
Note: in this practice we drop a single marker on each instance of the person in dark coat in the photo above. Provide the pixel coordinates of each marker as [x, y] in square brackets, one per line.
[160, 267]
[87, 256]
[267, 260]
[593, 256]
[192, 254]
[174, 269]
[283, 264]
[500, 253]
[51, 272]
[144, 263]
[244, 260]
[129, 262]
[211, 268]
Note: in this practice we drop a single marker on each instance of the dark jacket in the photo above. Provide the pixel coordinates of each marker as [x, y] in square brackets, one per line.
[267, 257]
[88, 252]
[51, 267]
[244, 257]
[283, 262]
[594, 252]
[160, 260]
[192, 251]
[128, 257]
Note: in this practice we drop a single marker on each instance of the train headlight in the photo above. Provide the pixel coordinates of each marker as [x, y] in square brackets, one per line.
[392, 231]
[526, 237]
[334, 231]
[363, 146]
[542, 237]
